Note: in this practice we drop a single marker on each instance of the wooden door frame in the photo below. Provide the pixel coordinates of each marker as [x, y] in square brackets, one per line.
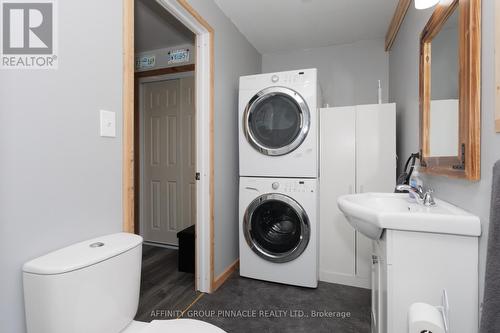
[204, 87]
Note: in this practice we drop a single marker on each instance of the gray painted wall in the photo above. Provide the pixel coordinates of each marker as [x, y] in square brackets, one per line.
[60, 181]
[348, 73]
[234, 57]
[403, 74]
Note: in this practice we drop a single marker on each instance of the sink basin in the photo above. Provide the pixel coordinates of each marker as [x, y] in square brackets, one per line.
[371, 213]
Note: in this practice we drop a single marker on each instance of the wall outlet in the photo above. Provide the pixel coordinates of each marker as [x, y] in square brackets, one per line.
[108, 123]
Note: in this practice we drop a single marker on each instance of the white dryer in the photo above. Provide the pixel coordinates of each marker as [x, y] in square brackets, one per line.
[278, 124]
[279, 230]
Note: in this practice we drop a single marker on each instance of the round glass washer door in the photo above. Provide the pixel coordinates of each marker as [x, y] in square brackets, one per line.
[276, 121]
[276, 228]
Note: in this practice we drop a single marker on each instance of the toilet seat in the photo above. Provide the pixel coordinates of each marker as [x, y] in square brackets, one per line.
[173, 326]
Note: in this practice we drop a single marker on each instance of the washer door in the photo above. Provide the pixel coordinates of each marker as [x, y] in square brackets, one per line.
[276, 121]
[276, 228]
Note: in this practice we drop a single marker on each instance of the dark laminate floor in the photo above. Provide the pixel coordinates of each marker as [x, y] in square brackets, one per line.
[246, 305]
[163, 287]
[246, 294]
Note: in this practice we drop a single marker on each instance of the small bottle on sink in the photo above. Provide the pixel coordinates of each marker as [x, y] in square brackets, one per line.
[415, 180]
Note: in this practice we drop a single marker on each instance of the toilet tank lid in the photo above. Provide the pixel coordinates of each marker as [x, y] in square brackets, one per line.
[82, 254]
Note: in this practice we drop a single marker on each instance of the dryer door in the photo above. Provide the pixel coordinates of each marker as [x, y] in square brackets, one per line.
[276, 121]
[276, 228]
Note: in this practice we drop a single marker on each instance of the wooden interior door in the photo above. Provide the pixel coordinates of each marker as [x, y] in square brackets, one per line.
[168, 203]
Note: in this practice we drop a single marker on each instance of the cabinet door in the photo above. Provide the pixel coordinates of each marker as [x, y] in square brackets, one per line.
[376, 147]
[337, 170]
[375, 163]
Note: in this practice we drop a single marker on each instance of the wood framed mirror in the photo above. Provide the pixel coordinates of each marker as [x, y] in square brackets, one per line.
[450, 90]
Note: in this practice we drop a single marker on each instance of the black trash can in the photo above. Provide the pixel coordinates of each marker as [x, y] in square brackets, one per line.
[186, 249]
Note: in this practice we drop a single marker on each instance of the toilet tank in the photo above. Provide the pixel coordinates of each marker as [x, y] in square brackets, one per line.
[89, 287]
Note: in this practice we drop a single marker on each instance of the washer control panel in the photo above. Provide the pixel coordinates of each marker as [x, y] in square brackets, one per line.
[292, 187]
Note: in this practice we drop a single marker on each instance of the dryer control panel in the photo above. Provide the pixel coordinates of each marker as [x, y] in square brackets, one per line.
[296, 78]
[289, 77]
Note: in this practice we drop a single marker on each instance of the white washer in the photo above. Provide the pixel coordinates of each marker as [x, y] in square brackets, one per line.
[278, 124]
[279, 230]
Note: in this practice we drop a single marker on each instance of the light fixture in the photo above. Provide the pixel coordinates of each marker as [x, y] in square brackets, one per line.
[424, 4]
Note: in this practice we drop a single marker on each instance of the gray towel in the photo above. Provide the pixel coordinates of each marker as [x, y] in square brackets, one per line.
[490, 320]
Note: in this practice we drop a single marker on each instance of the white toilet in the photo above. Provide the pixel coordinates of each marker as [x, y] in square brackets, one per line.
[93, 287]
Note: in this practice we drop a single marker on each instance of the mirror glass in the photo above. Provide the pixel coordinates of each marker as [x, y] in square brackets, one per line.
[444, 104]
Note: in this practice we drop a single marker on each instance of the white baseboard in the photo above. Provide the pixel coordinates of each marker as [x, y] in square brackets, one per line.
[347, 280]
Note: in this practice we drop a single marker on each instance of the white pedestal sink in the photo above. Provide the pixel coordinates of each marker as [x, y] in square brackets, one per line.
[417, 253]
[371, 213]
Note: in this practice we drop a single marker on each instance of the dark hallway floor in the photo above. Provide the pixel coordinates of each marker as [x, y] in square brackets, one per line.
[163, 287]
[246, 305]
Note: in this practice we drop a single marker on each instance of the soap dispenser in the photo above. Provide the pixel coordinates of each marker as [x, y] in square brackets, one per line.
[415, 180]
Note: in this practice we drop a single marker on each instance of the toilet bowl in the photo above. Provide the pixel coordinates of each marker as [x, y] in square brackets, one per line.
[93, 287]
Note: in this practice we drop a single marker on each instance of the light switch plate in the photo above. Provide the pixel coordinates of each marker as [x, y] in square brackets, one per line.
[108, 123]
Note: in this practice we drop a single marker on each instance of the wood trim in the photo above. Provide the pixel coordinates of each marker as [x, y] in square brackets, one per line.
[396, 22]
[185, 4]
[165, 71]
[497, 64]
[424, 92]
[474, 42]
[209, 28]
[128, 116]
[219, 281]
[438, 20]
[469, 89]
[137, 138]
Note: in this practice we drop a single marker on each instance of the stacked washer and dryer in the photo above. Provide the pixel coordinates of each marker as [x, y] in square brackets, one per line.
[278, 204]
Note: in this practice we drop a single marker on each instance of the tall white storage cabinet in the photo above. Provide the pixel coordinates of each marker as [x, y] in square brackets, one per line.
[357, 154]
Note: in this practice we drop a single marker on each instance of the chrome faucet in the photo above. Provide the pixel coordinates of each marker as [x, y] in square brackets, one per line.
[424, 198]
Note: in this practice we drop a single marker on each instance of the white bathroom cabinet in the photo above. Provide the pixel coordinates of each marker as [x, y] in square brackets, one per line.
[409, 267]
[357, 154]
